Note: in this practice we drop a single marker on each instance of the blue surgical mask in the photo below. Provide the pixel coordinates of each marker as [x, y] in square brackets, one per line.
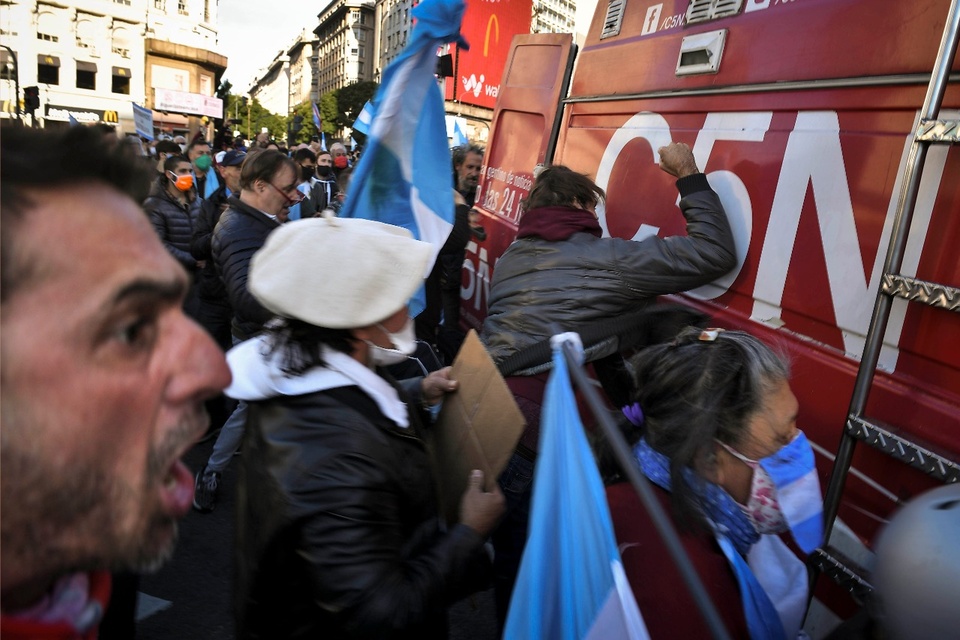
[785, 493]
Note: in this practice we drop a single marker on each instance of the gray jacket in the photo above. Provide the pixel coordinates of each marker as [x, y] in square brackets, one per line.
[540, 286]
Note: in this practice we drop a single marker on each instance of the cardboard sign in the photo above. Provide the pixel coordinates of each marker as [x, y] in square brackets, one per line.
[478, 426]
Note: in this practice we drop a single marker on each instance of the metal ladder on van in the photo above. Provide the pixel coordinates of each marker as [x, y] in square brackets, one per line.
[930, 130]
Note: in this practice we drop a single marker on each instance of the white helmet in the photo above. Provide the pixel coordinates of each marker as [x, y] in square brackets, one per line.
[917, 574]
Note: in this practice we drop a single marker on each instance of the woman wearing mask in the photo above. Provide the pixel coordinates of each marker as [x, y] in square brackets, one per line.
[719, 441]
[173, 208]
[339, 533]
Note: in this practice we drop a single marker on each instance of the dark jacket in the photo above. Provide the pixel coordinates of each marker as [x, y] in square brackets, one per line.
[209, 285]
[320, 196]
[668, 609]
[338, 533]
[539, 285]
[174, 222]
[241, 231]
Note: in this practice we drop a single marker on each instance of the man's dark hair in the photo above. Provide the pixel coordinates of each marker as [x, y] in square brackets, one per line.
[172, 161]
[263, 164]
[196, 143]
[304, 154]
[558, 186]
[38, 159]
[459, 153]
[168, 146]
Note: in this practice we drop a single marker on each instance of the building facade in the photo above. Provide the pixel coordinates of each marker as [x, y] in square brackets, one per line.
[291, 78]
[346, 37]
[91, 59]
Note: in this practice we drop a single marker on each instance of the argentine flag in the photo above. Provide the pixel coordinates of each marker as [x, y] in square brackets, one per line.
[404, 176]
[571, 583]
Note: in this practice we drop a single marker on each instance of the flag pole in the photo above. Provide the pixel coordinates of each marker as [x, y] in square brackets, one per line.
[642, 486]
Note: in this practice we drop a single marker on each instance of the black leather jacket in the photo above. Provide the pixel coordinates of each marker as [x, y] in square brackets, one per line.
[242, 230]
[338, 534]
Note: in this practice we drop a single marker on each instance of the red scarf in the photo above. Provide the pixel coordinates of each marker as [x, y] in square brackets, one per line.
[557, 223]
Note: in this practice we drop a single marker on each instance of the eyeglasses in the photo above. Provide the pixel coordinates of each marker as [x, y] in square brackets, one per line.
[290, 201]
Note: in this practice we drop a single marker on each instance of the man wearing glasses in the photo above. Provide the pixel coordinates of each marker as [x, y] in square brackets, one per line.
[268, 188]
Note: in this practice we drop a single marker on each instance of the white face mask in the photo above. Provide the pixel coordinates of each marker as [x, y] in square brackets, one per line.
[403, 341]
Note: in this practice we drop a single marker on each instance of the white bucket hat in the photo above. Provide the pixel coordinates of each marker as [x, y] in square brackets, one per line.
[338, 273]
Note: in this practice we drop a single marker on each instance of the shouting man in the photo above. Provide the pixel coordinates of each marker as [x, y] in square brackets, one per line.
[102, 383]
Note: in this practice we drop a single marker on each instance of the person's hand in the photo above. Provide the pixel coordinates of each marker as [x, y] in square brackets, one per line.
[677, 159]
[201, 264]
[458, 198]
[436, 385]
[481, 510]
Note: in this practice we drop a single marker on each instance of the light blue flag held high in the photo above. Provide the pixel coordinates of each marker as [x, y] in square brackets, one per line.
[571, 583]
[404, 175]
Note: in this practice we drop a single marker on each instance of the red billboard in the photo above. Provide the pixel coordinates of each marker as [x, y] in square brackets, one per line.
[489, 26]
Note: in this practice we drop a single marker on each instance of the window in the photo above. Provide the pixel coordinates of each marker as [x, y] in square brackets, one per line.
[6, 65]
[206, 10]
[182, 7]
[47, 37]
[360, 68]
[121, 43]
[121, 81]
[353, 52]
[354, 16]
[361, 52]
[86, 37]
[361, 35]
[160, 4]
[86, 75]
[124, 2]
[48, 69]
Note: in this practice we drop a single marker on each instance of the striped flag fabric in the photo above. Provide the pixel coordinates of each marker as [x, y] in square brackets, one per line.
[362, 123]
[404, 176]
[571, 584]
[316, 116]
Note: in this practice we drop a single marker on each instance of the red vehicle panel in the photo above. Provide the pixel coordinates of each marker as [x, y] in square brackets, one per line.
[803, 130]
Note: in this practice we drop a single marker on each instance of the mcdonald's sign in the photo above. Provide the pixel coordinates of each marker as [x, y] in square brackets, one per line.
[488, 26]
[111, 117]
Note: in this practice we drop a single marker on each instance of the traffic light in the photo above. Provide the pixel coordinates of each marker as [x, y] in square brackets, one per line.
[297, 122]
[31, 99]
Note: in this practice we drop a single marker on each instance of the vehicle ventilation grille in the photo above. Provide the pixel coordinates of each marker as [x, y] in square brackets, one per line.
[704, 10]
[611, 23]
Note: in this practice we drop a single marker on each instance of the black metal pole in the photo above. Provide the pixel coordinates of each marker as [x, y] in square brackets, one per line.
[642, 486]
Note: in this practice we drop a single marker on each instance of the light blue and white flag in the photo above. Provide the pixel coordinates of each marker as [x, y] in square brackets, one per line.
[323, 141]
[571, 583]
[404, 175]
[362, 123]
[73, 121]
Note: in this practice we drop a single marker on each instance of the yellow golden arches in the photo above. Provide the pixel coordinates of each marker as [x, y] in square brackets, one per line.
[492, 22]
[110, 116]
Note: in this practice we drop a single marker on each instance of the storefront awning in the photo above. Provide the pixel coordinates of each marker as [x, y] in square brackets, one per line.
[86, 66]
[121, 71]
[50, 61]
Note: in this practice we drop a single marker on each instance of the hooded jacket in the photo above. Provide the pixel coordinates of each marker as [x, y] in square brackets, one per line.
[339, 535]
[540, 284]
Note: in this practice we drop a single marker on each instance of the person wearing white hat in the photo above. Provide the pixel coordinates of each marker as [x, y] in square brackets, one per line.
[338, 528]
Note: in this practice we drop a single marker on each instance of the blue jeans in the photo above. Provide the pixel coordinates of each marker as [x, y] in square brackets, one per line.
[231, 435]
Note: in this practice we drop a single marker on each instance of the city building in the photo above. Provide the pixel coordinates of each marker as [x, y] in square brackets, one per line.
[346, 34]
[291, 78]
[553, 16]
[92, 59]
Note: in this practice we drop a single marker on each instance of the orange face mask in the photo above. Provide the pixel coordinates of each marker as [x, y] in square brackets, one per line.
[183, 183]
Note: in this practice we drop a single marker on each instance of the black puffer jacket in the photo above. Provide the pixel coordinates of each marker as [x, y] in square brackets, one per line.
[338, 534]
[539, 285]
[242, 230]
[174, 222]
[209, 285]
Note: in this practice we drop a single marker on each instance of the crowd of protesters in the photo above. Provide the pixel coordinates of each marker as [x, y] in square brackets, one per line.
[239, 250]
